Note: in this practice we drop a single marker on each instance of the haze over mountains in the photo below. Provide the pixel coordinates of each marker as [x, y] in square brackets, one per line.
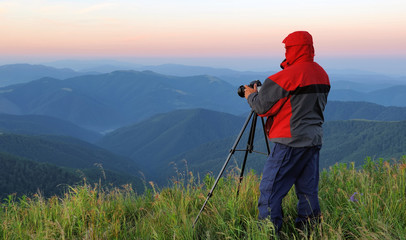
[22, 73]
[106, 101]
[155, 122]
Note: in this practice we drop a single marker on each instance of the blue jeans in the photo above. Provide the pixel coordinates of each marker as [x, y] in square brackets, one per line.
[287, 166]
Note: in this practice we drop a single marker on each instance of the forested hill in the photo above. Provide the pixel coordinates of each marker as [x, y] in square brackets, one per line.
[44, 125]
[64, 151]
[46, 163]
[346, 141]
[24, 157]
[20, 176]
[154, 141]
[338, 110]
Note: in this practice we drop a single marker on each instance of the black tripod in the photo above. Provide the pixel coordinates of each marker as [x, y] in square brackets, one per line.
[249, 149]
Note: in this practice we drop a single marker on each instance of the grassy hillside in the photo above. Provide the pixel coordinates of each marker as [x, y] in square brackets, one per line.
[356, 204]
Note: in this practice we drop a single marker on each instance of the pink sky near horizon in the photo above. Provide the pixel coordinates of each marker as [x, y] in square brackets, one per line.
[222, 28]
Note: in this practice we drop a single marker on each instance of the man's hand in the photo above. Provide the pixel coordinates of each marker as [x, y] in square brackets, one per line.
[249, 91]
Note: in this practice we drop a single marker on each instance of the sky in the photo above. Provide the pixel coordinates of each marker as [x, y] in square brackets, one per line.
[245, 34]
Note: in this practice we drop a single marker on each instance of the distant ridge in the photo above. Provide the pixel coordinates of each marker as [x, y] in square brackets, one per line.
[390, 96]
[22, 73]
[103, 102]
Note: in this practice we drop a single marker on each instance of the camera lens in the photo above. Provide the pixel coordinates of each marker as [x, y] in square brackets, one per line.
[241, 91]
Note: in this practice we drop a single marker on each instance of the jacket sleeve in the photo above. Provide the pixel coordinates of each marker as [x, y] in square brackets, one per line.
[269, 99]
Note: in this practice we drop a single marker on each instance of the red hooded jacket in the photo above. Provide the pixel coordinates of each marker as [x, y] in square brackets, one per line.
[294, 98]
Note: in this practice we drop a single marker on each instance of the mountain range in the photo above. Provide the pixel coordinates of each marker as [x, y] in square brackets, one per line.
[102, 102]
[341, 79]
[157, 145]
[201, 137]
[106, 101]
[163, 125]
[22, 73]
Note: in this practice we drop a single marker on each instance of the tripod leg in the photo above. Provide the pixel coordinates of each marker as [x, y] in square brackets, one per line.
[232, 151]
[266, 137]
[250, 147]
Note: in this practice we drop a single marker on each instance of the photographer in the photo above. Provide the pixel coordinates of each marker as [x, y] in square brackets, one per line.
[293, 100]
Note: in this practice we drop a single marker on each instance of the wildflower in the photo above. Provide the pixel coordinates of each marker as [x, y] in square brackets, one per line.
[352, 198]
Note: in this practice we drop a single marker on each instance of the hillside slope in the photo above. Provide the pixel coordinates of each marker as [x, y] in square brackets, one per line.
[44, 125]
[64, 151]
[344, 142]
[21, 176]
[152, 142]
[338, 110]
[353, 141]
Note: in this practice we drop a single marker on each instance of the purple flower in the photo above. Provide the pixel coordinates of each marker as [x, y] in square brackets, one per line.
[353, 199]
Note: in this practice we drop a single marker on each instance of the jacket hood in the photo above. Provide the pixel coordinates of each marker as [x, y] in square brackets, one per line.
[299, 47]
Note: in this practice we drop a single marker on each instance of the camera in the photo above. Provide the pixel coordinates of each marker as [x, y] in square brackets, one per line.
[241, 89]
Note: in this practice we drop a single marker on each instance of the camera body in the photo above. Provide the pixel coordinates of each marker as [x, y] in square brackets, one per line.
[241, 89]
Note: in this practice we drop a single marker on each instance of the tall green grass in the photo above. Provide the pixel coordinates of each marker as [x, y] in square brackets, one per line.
[366, 203]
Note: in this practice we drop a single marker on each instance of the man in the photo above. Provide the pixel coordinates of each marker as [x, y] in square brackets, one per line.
[293, 100]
